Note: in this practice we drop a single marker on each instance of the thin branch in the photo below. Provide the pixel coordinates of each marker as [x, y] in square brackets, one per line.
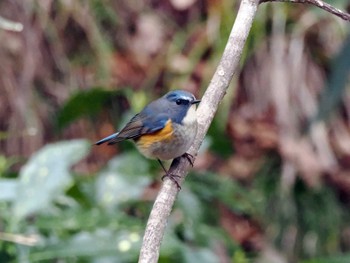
[210, 101]
[30, 240]
[10, 25]
[325, 6]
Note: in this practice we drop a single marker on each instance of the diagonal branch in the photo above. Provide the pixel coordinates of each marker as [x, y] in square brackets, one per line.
[210, 101]
[325, 6]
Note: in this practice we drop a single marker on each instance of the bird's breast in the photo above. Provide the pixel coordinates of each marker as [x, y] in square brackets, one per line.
[161, 135]
[172, 141]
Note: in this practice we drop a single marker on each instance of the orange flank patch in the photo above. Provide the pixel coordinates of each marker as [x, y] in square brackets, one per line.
[162, 135]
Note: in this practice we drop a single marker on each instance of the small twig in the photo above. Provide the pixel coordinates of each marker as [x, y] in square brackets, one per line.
[325, 6]
[10, 25]
[205, 113]
[30, 240]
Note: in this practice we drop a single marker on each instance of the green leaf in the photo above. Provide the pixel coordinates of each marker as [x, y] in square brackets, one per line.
[122, 246]
[219, 142]
[171, 244]
[124, 179]
[46, 176]
[84, 103]
[337, 82]
[8, 189]
[203, 255]
[332, 259]
[190, 204]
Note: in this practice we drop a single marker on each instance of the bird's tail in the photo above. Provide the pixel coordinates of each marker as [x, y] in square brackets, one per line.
[108, 138]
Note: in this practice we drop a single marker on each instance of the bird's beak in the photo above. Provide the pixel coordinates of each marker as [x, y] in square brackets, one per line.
[195, 101]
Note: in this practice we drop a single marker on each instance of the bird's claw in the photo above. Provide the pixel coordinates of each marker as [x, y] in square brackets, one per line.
[189, 157]
[174, 178]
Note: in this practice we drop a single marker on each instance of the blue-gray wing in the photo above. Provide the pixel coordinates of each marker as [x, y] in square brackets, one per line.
[140, 125]
[151, 119]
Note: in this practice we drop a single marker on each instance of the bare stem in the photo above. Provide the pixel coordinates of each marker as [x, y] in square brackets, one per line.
[210, 101]
[325, 6]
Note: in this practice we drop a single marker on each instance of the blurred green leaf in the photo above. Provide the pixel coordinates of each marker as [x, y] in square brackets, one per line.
[6, 163]
[240, 257]
[171, 246]
[46, 176]
[203, 255]
[83, 103]
[138, 99]
[3, 164]
[322, 217]
[8, 189]
[125, 178]
[238, 198]
[104, 14]
[122, 246]
[220, 142]
[333, 259]
[190, 205]
[337, 82]
[72, 219]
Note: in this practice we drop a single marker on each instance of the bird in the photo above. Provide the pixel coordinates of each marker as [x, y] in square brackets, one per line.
[164, 130]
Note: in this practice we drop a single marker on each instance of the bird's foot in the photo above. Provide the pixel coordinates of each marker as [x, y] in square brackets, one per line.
[189, 157]
[174, 178]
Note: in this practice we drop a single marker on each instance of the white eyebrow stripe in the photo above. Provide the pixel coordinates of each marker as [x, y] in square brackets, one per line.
[185, 98]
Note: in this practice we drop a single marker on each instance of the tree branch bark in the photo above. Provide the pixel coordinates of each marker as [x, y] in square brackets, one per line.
[325, 6]
[205, 113]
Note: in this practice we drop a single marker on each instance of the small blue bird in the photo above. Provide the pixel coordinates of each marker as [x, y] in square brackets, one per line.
[164, 129]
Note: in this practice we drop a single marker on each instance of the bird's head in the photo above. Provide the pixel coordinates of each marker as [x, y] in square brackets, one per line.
[181, 106]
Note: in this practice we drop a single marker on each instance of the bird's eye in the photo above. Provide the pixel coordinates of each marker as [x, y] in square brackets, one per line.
[178, 101]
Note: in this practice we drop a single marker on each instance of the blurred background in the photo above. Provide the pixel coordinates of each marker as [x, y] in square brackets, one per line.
[271, 182]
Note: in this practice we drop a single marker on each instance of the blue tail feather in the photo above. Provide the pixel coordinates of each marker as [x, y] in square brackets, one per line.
[108, 138]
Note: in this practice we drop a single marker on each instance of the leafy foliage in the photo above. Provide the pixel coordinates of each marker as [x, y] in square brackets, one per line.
[83, 104]
[46, 176]
[97, 218]
[337, 82]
